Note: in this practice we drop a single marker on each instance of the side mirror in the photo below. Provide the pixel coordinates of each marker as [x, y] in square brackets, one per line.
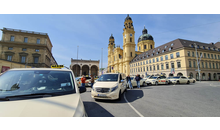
[121, 81]
[82, 89]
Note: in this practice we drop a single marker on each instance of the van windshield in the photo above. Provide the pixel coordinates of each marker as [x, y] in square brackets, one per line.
[108, 78]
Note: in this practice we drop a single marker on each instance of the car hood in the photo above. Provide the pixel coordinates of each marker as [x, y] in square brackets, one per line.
[151, 79]
[59, 106]
[105, 84]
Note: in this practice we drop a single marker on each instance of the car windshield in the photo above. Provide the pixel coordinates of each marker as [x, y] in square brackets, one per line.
[176, 77]
[169, 77]
[108, 77]
[22, 82]
[148, 76]
[153, 77]
[78, 78]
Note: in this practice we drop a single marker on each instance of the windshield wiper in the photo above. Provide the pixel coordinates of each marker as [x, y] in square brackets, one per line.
[32, 94]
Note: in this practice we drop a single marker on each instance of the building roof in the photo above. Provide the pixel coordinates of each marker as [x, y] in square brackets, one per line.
[173, 45]
[145, 36]
[23, 31]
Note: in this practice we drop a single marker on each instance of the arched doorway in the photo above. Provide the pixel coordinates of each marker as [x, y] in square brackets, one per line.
[76, 70]
[209, 76]
[203, 76]
[197, 76]
[94, 70]
[214, 76]
[179, 74]
[85, 70]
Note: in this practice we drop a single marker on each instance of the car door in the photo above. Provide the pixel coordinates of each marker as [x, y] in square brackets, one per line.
[121, 83]
[133, 81]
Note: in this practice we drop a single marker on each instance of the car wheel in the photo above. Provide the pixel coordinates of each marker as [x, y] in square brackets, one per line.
[193, 81]
[156, 83]
[166, 82]
[178, 82]
[188, 82]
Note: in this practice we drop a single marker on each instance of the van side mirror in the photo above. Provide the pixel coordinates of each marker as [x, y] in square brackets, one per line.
[82, 89]
[121, 81]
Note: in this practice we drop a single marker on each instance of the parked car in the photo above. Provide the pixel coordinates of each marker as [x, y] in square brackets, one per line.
[192, 80]
[109, 86]
[155, 80]
[78, 79]
[168, 78]
[40, 92]
[179, 79]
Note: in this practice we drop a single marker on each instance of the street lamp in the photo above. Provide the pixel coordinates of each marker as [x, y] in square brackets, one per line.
[197, 62]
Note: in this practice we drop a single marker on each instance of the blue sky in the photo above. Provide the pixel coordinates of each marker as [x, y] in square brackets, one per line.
[91, 32]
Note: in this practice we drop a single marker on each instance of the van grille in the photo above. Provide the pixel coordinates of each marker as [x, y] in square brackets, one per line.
[102, 90]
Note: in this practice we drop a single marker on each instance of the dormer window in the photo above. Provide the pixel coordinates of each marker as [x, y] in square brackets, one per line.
[158, 49]
[213, 49]
[172, 44]
[192, 45]
[162, 51]
[198, 46]
[170, 48]
[218, 49]
[157, 52]
[152, 54]
[203, 47]
[209, 48]
[153, 50]
[165, 46]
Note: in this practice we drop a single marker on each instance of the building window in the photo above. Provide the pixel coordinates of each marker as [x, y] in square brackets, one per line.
[38, 41]
[36, 59]
[204, 55]
[130, 35]
[218, 57]
[194, 64]
[170, 48]
[23, 58]
[131, 54]
[25, 39]
[209, 48]
[162, 51]
[9, 58]
[162, 67]
[208, 56]
[144, 46]
[206, 65]
[158, 49]
[172, 65]
[37, 50]
[210, 65]
[149, 61]
[138, 63]
[202, 65]
[212, 56]
[215, 57]
[161, 58]
[151, 47]
[213, 64]
[153, 60]
[141, 63]
[12, 38]
[167, 66]
[130, 39]
[165, 46]
[177, 54]
[150, 68]
[166, 57]
[172, 44]
[139, 48]
[152, 54]
[190, 64]
[125, 35]
[198, 46]
[188, 53]
[147, 68]
[192, 45]
[154, 67]
[144, 69]
[10, 48]
[24, 49]
[157, 59]
[171, 56]
[200, 54]
[146, 61]
[203, 47]
[193, 54]
[216, 65]
[158, 68]
[178, 65]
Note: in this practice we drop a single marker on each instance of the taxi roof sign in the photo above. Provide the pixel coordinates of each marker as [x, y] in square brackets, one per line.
[57, 66]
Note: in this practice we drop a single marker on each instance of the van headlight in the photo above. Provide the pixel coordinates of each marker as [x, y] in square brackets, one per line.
[113, 89]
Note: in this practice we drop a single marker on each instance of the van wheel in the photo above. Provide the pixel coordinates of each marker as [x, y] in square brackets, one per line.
[156, 83]
[193, 81]
[188, 82]
[166, 82]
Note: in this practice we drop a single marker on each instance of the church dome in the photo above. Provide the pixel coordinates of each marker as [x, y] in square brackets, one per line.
[128, 18]
[111, 37]
[145, 36]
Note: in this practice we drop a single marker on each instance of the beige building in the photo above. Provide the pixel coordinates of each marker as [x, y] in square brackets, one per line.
[178, 57]
[20, 48]
[84, 67]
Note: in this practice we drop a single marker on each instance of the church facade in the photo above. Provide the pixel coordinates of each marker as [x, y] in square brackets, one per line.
[119, 59]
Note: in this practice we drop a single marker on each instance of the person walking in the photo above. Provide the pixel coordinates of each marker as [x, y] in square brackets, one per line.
[138, 78]
[92, 80]
[83, 80]
[129, 82]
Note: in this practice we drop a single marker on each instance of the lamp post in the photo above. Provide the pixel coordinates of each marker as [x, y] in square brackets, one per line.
[197, 62]
[77, 60]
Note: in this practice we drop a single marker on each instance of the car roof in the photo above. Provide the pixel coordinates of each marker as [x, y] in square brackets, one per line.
[40, 69]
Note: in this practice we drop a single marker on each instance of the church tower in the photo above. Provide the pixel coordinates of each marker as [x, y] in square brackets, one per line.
[128, 44]
[111, 46]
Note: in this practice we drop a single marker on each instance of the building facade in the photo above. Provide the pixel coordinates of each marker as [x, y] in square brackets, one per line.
[177, 58]
[84, 67]
[20, 49]
[119, 59]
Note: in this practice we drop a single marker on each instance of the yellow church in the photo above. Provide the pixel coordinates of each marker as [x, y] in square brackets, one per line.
[119, 59]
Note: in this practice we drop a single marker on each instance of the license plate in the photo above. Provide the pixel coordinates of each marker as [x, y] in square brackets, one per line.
[101, 95]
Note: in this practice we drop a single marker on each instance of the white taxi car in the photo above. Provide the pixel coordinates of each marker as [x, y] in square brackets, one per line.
[40, 92]
[192, 80]
[78, 81]
[155, 80]
[109, 86]
[179, 80]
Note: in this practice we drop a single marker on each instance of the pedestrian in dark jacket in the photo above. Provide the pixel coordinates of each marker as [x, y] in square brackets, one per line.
[129, 82]
[138, 78]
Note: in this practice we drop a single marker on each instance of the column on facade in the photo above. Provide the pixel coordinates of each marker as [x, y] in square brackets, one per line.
[80, 71]
[90, 70]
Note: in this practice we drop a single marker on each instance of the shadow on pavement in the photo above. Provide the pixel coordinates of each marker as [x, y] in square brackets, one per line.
[134, 94]
[95, 110]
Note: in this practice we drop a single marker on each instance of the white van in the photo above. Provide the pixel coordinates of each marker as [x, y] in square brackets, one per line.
[109, 86]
